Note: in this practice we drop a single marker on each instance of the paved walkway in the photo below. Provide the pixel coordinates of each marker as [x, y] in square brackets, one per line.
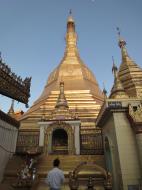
[43, 186]
[5, 187]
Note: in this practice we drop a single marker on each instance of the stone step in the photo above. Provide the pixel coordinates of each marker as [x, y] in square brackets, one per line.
[45, 163]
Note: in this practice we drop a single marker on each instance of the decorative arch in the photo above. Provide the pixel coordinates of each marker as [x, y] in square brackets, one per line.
[49, 133]
[91, 165]
[74, 176]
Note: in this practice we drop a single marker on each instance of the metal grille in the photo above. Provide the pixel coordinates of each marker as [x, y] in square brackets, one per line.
[92, 142]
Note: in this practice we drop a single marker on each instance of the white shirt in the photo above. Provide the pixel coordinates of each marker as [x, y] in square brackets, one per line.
[55, 178]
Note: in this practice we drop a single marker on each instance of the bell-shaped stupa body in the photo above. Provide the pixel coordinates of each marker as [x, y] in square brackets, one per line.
[80, 87]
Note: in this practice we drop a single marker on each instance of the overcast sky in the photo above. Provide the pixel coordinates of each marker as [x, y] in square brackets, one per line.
[32, 37]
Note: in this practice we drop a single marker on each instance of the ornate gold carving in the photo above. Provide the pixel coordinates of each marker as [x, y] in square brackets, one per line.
[12, 85]
[28, 142]
[73, 176]
[139, 92]
[60, 125]
[81, 90]
[136, 114]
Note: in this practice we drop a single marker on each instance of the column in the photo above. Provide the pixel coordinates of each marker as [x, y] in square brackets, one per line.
[77, 139]
[41, 137]
[139, 144]
[49, 143]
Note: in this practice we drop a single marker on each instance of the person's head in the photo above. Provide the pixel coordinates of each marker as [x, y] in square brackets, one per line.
[56, 162]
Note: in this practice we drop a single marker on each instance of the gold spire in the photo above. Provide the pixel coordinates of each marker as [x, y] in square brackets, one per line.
[129, 73]
[61, 110]
[11, 110]
[71, 38]
[117, 90]
[81, 87]
[70, 18]
[61, 102]
[104, 91]
[122, 44]
[114, 69]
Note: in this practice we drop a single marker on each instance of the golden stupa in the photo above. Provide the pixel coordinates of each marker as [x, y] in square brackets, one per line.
[62, 121]
[80, 87]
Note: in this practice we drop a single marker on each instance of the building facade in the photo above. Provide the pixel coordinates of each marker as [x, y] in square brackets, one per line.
[121, 121]
[83, 96]
[73, 119]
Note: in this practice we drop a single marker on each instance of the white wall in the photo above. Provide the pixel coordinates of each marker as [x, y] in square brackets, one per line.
[8, 139]
[127, 150]
[109, 133]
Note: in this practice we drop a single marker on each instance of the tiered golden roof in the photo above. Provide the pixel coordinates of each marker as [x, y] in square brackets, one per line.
[81, 88]
[130, 73]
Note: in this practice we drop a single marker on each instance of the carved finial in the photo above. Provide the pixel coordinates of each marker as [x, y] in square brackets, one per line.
[118, 32]
[70, 18]
[117, 90]
[11, 110]
[114, 68]
[104, 90]
[0, 57]
[71, 38]
[61, 101]
[121, 43]
[70, 12]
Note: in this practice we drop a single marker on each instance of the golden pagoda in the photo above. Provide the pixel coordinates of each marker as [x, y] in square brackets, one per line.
[62, 121]
[130, 73]
[80, 88]
[121, 121]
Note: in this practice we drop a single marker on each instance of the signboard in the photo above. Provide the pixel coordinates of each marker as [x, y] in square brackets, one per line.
[115, 104]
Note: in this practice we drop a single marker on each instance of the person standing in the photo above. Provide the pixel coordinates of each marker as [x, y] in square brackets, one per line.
[55, 177]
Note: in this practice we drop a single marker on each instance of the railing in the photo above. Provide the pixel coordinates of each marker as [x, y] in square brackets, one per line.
[92, 143]
[12, 85]
[29, 150]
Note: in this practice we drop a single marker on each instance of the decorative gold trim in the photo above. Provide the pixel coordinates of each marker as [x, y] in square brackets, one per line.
[136, 114]
[60, 125]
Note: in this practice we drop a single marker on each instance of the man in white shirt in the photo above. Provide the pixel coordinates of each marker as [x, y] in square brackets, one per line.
[55, 177]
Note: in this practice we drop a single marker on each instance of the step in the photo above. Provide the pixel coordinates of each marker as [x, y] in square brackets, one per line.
[45, 163]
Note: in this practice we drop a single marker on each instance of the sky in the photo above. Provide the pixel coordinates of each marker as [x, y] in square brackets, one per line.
[32, 38]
